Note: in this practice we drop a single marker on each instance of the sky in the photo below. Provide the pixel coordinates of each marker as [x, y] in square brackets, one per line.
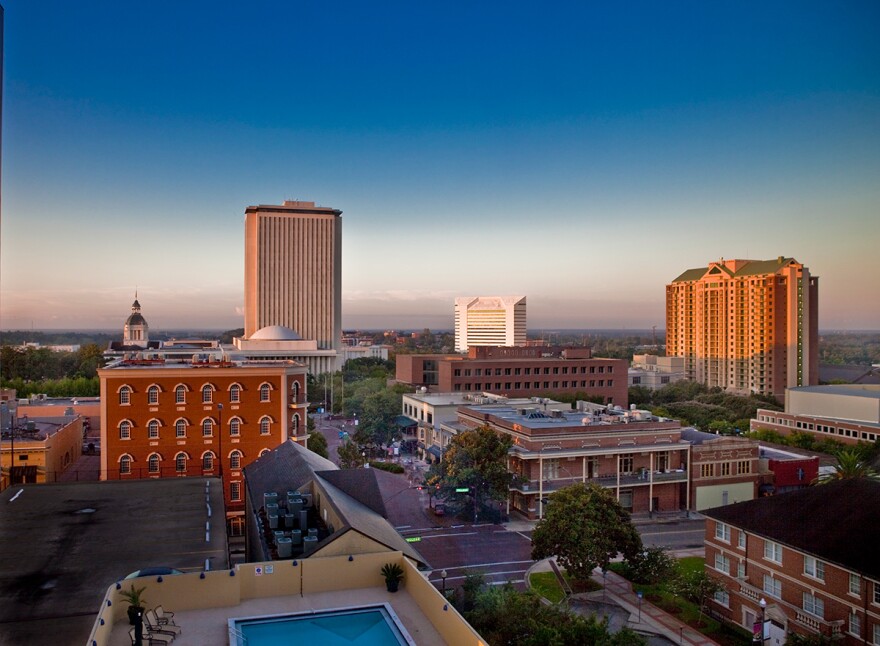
[580, 154]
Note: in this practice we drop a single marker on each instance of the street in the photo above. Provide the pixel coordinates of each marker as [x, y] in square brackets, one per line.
[498, 552]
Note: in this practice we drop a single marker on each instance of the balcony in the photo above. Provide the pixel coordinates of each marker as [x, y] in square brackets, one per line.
[607, 481]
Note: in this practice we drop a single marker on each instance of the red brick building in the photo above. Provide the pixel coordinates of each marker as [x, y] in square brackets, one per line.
[518, 372]
[165, 419]
[810, 555]
[644, 461]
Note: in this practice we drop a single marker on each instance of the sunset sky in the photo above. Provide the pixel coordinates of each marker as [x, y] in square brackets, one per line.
[582, 155]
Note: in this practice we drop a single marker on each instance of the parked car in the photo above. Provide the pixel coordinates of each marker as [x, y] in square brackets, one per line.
[439, 509]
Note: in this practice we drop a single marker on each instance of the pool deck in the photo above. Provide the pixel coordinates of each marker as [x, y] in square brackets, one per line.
[209, 626]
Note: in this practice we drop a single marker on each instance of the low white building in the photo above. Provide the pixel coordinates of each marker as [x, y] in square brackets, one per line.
[653, 372]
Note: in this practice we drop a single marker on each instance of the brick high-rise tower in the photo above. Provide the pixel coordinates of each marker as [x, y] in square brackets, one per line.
[293, 271]
[748, 326]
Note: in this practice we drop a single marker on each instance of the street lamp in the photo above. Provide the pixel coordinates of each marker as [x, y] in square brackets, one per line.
[443, 576]
[763, 604]
[639, 595]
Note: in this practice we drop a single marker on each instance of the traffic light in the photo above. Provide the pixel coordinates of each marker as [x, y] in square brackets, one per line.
[419, 487]
[437, 487]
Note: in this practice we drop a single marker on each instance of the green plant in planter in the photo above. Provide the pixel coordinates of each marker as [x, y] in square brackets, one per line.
[393, 574]
[136, 601]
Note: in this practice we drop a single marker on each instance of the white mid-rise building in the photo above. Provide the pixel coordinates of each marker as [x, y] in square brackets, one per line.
[489, 320]
[654, 372]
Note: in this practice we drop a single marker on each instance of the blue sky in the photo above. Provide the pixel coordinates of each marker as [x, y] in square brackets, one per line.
[583, 155]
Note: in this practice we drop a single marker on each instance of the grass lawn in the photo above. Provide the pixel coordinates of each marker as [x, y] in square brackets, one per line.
[546, 585]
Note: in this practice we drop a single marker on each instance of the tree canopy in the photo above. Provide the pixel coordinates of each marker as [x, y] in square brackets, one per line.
[476, 459]
[584, 527]
[851, 463]
[503, 615]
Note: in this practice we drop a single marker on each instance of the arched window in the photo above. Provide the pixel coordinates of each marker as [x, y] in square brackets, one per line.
[234, 393]
[264, 452]
[153, 429]
[125, 430]
[207, 427]
[207, 461]
[295, 390]
[125, 396]
[265, 423]
[235, 426]
[235, 460]
[125, 464]
[180, 394]
[295, 423]
[153, 395]
[265, 390]
[207, 394]
[180, 462]
[153, 463]
[180, 428]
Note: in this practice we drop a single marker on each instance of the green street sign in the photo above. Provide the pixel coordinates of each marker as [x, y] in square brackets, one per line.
[413, 539]
[462, 489]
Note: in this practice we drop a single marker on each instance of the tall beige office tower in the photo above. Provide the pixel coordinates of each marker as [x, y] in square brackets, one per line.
[489, 320]
[293, 271]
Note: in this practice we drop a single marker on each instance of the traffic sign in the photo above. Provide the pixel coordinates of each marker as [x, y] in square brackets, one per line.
[413, 539]
[462, 489]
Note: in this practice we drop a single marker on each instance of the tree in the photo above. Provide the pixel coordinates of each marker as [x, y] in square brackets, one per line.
[349, 455]
[696, 586]
[585, 527]
[850, 464]
[475, 459]
[318, 444]
[502, 615]
[651, 566]
[376, 425]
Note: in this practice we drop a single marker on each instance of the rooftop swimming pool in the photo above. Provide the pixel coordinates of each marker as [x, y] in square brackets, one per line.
[363, 626]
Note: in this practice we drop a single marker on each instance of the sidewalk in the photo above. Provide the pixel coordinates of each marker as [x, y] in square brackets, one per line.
[653, 619]
[650, 619]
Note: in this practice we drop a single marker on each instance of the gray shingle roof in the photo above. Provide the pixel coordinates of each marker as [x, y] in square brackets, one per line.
[836, 522]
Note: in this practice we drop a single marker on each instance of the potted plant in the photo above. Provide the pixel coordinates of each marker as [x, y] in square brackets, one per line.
[393, 574]
[136, 604]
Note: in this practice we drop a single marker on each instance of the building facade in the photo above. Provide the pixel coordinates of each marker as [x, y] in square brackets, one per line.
[725, 469]
[805, 560]
[518, 372]
[293, 271]
[38, 449]
[653, 372]
[847, 413]
[489, 320]
[165, 419]
[643, 460]
[747, 326]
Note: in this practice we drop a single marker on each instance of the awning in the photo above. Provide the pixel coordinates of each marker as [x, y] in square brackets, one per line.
[435, 451]
[405, 422]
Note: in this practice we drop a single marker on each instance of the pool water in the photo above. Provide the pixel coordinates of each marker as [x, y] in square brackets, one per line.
[371, 626]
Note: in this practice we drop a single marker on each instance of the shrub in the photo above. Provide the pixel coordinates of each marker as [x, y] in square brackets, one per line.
[391, 467]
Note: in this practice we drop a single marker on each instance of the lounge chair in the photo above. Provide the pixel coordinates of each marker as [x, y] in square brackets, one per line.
[152, 639]
[152, 622]
[165, 616]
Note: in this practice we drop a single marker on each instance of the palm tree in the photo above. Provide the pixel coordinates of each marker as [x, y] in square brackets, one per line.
[850, 464]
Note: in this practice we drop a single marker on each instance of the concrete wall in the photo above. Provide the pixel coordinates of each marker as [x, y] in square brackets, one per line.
[835, 404]
[709, 496]
[220, 589]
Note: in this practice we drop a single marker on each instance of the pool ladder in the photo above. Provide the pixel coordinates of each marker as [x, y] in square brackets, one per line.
[236, 638]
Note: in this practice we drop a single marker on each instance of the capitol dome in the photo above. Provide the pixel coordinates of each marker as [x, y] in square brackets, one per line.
[275, 333]
[136, 332]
